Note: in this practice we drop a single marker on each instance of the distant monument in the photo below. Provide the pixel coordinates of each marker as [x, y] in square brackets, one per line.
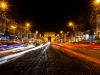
[49, 36]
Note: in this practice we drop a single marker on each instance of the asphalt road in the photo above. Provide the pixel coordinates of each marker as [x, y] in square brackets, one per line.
[49, 61]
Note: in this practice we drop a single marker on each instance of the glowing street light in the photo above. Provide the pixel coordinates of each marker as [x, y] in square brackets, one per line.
[96, 4]
[61, 36]
[61, 32]
[13, 27]
[37, 36]
[3, 5]
[97, 1]
[96, 15]
[36, 32]
[27, 24]
[71, 24]
[27, 30]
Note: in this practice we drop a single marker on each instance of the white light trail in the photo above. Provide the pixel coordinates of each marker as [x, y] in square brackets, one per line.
[17, 49]
[6, 58]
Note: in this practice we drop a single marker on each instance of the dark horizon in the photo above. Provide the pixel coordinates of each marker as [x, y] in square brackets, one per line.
[50, 15]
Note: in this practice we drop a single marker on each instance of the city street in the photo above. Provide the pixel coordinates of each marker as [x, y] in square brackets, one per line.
[54, 59]
[49, 37]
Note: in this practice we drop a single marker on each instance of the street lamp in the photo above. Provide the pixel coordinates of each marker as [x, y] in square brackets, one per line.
[27, 24]
[13, 29]
[97, 1]
[71, 25]
[96, 18]
[3, 7]
[27, 29]
[36, 32]
[61, 32]
[61, 36]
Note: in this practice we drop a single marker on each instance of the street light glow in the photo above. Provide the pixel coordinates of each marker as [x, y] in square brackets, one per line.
[70, 24]
[96, 4]
[36, 32]
[97, 1]
[3, 5]
[27, 24]
[61, 32]
[13, 27]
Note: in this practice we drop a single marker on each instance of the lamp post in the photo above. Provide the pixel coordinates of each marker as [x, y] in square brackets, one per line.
[96, 19]
[27, 29]
[27, 24]
[61, 36]
[3, 8]
[97, 11]
[37, 34]
[13, 28]
[20, 32]
[71, 24]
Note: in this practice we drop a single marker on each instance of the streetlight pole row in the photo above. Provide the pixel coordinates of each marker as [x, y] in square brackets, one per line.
[3, 27]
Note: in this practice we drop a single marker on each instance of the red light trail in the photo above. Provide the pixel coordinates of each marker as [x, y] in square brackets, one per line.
[95, 60]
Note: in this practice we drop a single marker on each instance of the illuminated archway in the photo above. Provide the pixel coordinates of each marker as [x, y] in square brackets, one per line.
[49, 36]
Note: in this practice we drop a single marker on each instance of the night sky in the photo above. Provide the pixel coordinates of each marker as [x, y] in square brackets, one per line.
[50, 15]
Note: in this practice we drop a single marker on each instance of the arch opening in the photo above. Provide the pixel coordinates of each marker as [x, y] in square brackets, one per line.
[49, 39]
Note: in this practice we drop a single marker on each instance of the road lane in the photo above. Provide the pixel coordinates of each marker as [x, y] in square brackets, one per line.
[50, 61]
[89, 52]
[69, 64]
